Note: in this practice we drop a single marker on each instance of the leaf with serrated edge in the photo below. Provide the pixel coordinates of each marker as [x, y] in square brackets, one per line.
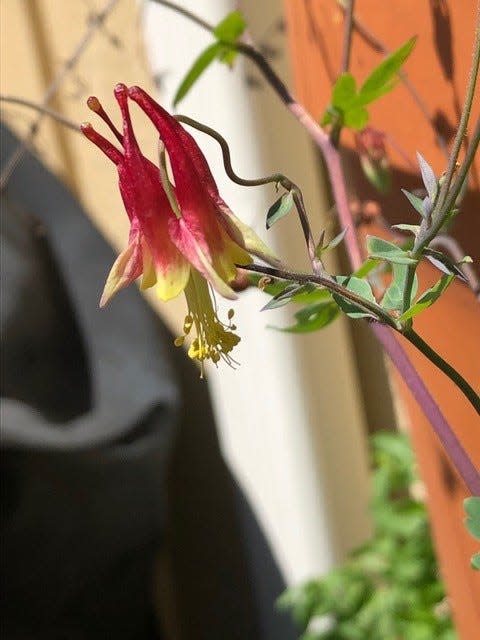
[428, 298]
[428, 177]
[279, 209]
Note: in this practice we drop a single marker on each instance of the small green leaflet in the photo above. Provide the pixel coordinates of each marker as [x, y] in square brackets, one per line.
[361, 288]
[445, 264]
[428, 298]
[279, 209]
[393, 298]
[366, 267]
[348, 105]
[203, 61]
[321, 248]
[408, 228]
[428, 177]
[229, 30]
[231, 27]
[472, 522]
[313, 318]
[382, 79]
[415, 201]
[344, 92]
[227, 33]
[286, 296]
[379, 248]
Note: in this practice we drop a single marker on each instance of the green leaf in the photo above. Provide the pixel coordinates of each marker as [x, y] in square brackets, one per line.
[369, 265]
[379, 248]
[313, 318]
[330, 245]
[444, 263]
[228, 56]
[428, 177]
[356, 118]
[381, 80]
[393, 298]
[285, 296]
[344, 92]
[475, 561]
[231, 27]
[428, 298]
[361, 288]
[409, 228]
[279, 209]
[203, 61]
[472, 509]
[415, 201]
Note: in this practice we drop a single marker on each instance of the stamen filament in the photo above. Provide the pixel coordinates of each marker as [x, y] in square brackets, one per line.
[214, 339]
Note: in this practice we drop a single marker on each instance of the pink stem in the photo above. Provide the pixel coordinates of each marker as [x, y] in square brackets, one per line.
[386, 337]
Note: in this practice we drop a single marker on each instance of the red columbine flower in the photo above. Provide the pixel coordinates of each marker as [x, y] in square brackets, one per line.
[183, 237]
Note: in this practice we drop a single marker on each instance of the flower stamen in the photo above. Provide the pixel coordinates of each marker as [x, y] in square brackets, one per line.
[214, 339]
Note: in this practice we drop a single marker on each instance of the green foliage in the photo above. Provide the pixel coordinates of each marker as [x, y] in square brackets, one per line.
[314, 317]
[347, 107]
[227, 32]
[393, 297]
[331, 244]
[203, 61]
[320, 309]
[427, 298]
[361, 288]
[472, 522]
[379, 248]
[279, 208]
[415, 201]
[387, 589]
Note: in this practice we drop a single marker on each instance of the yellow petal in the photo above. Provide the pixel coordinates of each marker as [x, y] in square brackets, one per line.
[173, 280]
[225, 261]
[245, 236]
[149, 276]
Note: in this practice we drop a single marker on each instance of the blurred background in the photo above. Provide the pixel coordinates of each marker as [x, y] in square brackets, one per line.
[284, 453]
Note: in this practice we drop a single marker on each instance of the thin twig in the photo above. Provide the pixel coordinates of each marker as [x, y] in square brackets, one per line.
[382, 316]
[347, 34]
[41, 109]
[463, 124]
[95, 23]
[193, 17]
[374, 310]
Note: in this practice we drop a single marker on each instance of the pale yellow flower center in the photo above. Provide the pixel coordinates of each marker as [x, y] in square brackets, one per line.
[214, 340]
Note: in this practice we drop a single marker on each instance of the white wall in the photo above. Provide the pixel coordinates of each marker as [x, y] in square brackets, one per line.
[290, 417]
